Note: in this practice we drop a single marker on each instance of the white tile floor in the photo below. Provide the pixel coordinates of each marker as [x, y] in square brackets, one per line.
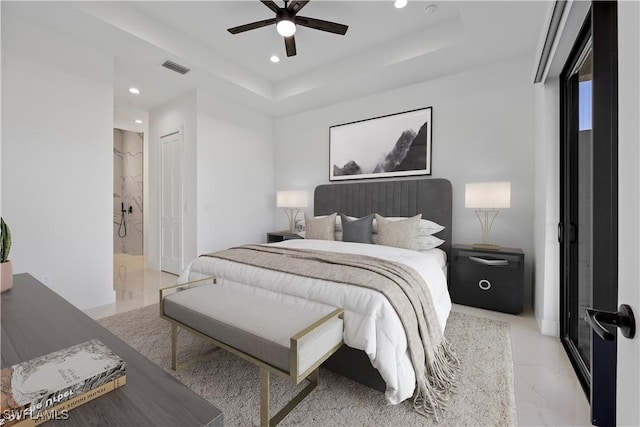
[135, 285]
[547, 390]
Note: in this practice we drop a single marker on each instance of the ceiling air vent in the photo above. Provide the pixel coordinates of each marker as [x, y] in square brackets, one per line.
[173, 66]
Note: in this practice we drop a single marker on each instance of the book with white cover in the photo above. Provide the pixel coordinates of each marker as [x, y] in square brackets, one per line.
[38, 384]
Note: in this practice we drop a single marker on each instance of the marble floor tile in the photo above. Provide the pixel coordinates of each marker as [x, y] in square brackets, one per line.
[135, 285]
[548, 392]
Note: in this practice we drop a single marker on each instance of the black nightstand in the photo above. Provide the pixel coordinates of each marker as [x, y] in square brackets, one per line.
[487, 279]
[279, 236]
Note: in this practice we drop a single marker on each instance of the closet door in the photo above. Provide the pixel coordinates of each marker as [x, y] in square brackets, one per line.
[171, 203]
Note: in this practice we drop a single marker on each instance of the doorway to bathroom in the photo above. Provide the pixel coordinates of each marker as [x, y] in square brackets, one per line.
[128, 210]
[127, 193]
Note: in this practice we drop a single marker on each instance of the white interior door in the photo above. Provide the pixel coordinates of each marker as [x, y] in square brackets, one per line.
[171, 203]
[628, 374]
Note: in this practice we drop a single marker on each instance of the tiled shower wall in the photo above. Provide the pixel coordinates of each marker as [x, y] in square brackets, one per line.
[127, 189]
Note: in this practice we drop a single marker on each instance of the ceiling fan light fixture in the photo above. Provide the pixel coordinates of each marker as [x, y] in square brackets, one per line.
[286, 20]
[286, 28]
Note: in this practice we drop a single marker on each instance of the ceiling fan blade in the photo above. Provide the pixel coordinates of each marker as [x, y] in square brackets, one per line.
[296, 5]
[271, 5]
[290, 44]
[319, 24]
[252, 26]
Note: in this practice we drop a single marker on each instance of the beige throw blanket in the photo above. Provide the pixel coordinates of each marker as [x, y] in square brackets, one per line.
[433, 360]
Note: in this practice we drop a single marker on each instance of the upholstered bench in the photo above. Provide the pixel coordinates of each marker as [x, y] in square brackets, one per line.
[276, 336]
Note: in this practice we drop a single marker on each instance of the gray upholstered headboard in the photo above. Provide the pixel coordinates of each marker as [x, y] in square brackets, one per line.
[429, 196]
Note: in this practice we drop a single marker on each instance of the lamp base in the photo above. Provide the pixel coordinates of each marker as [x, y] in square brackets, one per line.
[486, 246]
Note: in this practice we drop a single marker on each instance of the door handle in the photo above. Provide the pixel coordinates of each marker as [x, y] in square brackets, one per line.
[622, 319]
[560, 232]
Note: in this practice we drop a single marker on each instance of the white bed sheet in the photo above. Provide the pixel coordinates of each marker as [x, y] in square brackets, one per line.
[371, 323]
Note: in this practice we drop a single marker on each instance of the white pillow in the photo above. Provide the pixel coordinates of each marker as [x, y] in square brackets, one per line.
[428, 242]
[424, 242]
[425, 227]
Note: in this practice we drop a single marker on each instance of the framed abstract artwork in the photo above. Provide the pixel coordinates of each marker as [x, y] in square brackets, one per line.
[388, 146]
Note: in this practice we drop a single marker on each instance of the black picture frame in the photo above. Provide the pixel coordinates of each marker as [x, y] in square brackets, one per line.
[388, 146]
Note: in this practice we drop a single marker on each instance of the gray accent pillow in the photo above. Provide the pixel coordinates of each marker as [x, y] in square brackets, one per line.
[320, 228]
[399, 234]
[357, 230]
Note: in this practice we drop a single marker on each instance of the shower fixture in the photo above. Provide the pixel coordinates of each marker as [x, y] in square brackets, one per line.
[122, 229]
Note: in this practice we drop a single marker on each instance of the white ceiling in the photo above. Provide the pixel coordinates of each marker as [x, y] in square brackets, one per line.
[384, 48]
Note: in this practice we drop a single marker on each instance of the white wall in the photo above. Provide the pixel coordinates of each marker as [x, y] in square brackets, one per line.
[547, 167]
[628, 380]
[547, 184]
[57, 161]
[482, 131]
[236, 197]
[228, 174]
[179, 114]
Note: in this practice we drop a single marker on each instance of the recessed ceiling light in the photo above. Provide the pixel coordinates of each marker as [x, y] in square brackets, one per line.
[134, 90]
[274, 58]
[138, 121]
[399, 4]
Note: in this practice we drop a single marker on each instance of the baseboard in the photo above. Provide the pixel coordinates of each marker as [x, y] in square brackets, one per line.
[549, 327]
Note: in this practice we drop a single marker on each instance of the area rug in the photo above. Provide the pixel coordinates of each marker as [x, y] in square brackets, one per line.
[484, 395]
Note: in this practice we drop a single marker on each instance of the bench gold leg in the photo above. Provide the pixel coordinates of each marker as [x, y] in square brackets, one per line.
[174, 346]
[175, 364]
[265, 401]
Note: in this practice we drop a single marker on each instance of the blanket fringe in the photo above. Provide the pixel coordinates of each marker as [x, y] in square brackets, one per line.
[435, 387]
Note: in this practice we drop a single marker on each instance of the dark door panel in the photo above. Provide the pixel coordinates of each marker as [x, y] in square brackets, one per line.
[588, 233]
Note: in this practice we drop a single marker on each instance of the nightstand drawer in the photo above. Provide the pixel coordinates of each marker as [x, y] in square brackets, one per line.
[484, 293]
[507, 276]
[487, 279]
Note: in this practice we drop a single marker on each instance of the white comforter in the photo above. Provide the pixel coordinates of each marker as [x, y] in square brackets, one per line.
[371, 323]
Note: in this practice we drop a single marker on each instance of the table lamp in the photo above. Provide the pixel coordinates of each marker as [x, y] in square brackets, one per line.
[292, 202]
[487, 198]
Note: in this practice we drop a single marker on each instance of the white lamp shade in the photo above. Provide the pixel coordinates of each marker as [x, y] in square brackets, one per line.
[487, 195]
[292, 199]
[286, 28]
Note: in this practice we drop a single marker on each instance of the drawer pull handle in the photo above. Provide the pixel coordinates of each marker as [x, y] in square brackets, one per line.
[487, 261]
[484, 284]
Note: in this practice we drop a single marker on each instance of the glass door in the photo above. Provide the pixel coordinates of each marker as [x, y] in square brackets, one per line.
[578, 201]
[588, 231]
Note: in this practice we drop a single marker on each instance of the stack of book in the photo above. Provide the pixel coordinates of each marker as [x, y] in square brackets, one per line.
[48, 387]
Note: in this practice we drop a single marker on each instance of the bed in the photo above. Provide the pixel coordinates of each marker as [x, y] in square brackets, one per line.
[372, 335]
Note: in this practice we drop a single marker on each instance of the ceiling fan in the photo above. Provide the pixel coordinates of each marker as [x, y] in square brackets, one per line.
[286, 21]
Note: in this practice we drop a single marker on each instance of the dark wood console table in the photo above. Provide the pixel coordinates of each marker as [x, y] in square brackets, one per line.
[37, 321]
